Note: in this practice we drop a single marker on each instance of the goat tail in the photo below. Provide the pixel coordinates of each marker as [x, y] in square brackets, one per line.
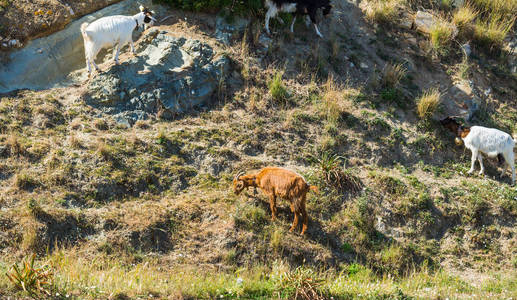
[314, 189]
[83, 30]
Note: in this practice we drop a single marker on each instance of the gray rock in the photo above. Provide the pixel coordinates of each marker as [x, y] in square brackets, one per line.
[265, 41]
[169, 76]
[406, 23]
[225, 31]
[424, 21]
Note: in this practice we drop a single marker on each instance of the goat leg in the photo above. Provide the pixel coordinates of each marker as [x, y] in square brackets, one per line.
[480, 159]
[272, 205]
[292, 24]
[295, 223]
[473, 161]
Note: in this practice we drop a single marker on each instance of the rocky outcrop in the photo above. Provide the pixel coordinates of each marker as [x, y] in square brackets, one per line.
[45, 62]
[169, 76]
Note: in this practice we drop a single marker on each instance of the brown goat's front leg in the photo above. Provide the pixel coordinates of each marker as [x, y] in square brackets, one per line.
[272, 205]
[295, 221]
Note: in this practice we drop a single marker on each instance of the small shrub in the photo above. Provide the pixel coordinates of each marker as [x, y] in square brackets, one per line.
[334, 174]
[31, 279]
[303, 283]
[428, 103]
[392, 74]
[278, 90]
[347, 248]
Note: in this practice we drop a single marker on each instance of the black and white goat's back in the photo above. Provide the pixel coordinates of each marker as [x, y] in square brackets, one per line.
[297, 7]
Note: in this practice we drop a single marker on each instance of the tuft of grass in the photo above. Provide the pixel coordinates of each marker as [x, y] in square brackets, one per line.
[490, 33]
[101, 124]
[441, 34]
[507, 8]
[30, 279]
[250, 217]
[427, 103]
[277, 238]
[278, 90]
[463, 18]
[392, 74]
[75, 143]
[107, 152]
[24, 181]
[333, 173]
[332, 101]
[15, 146]
[382, 12]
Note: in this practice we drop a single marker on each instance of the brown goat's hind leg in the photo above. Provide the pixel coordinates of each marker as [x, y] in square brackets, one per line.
[305, 220]
[272, 205]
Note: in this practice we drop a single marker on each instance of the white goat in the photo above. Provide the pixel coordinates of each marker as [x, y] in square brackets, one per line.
[108, 31]
[490, 141]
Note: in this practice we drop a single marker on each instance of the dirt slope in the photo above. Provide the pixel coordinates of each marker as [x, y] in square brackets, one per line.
[394, 195]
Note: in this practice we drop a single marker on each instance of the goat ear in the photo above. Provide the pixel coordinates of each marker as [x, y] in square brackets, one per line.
[141, 8]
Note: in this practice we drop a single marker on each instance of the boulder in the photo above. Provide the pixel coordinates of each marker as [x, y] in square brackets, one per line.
[170, 76]
[425, 21]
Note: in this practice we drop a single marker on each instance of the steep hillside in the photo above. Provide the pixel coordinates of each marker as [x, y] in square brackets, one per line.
[142, 206]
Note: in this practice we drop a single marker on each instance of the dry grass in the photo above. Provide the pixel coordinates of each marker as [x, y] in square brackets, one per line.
[75, 142]
[441, 34]
[333, 104]
[507, 8]
[383, 12]
[392, 74]
[428, 103]
[463, 18]
[491, 33]
[101, 124]
[99, 277]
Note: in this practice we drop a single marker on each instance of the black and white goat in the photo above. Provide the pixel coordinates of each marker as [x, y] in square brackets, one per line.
[108, 31]
[490, 141]
[297, 7]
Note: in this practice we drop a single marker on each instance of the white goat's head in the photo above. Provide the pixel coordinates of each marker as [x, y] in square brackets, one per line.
[149, 20]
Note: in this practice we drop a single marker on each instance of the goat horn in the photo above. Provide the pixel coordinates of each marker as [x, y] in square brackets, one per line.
[240, 173]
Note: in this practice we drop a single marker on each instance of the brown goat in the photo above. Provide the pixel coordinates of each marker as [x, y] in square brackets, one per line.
[278, 182]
